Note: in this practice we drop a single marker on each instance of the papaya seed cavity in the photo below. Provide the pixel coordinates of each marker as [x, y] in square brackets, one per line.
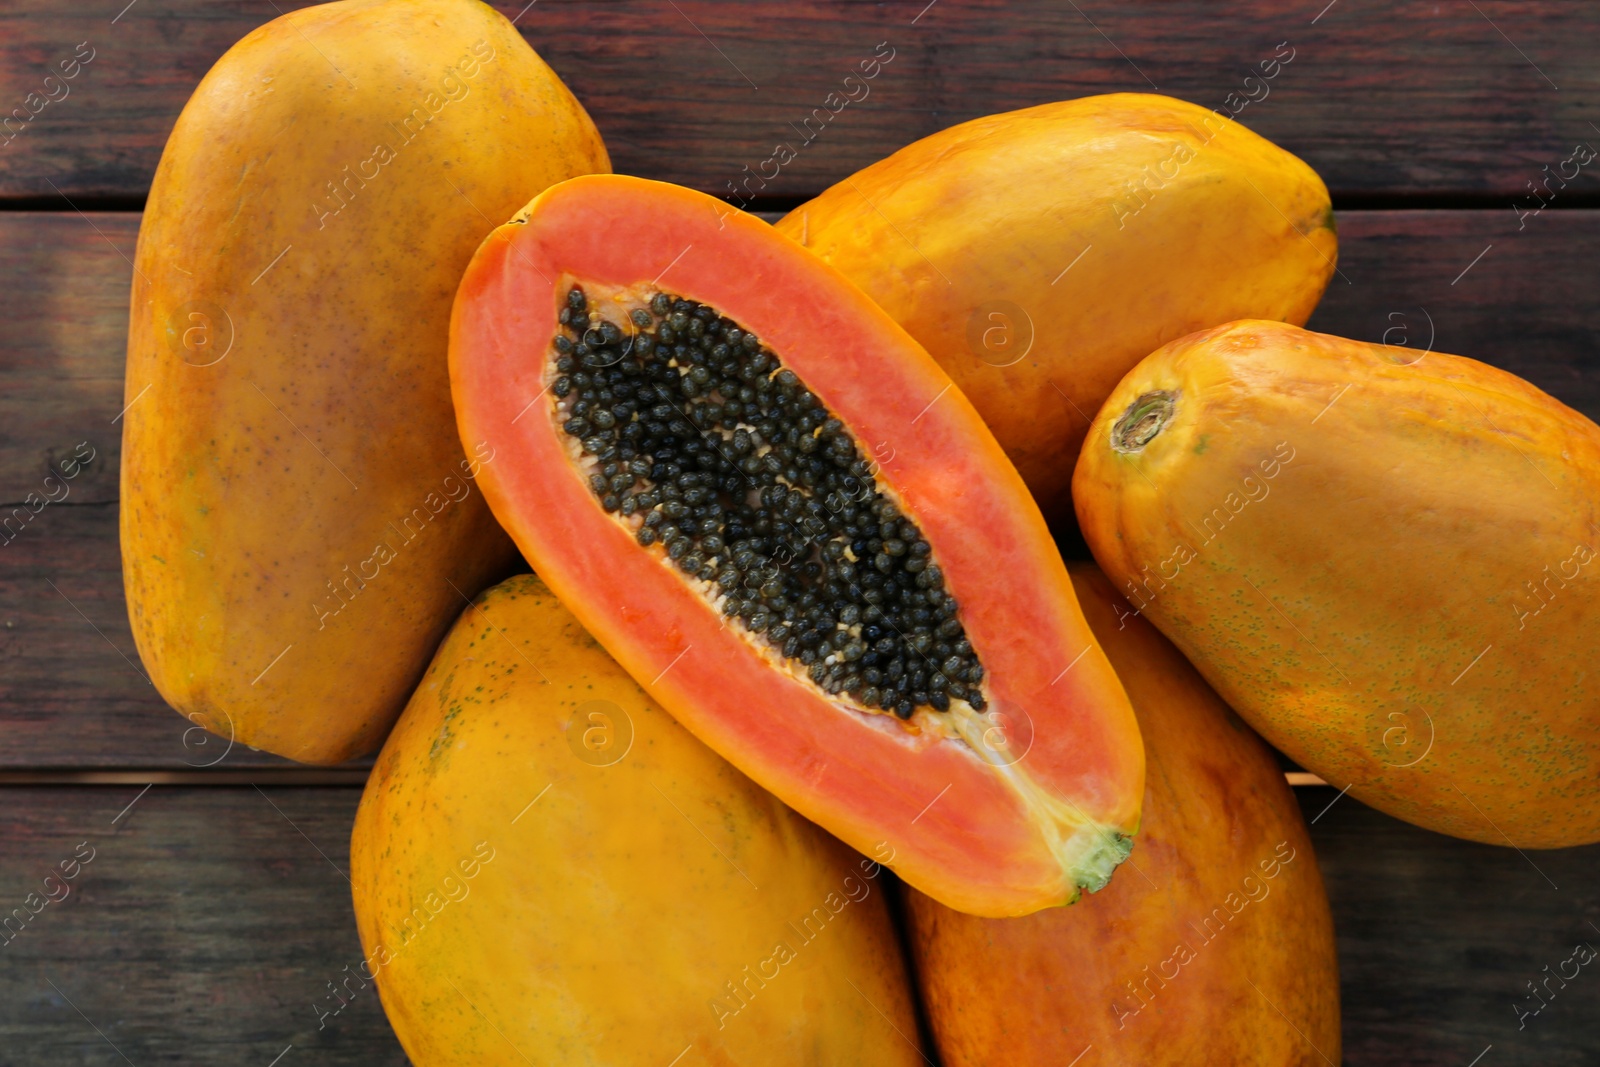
[720, 460]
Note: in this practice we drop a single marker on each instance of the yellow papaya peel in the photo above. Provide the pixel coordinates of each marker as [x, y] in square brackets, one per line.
[548, 869]
[1384, 560]
[1039, 254]
[1157, 969]
[300, 521]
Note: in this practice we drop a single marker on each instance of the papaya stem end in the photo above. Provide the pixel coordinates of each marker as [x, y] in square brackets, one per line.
[1145, 418]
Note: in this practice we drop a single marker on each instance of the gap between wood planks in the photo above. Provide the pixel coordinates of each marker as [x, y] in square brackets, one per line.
[283, 776]
[772, 208]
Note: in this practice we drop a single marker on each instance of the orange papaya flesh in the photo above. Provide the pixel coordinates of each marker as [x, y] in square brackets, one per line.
[1158, 969]
[1039, 254]
[1002, 810]
[299, 519]
[547, 869]
[1383, 559]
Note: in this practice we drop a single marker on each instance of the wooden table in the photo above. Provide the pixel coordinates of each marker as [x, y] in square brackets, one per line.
[215, 911]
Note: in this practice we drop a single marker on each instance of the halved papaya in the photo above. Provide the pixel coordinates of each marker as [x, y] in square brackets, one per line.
[686, 402]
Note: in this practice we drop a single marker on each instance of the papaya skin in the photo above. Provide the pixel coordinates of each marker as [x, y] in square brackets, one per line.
[971, 240]
[1393, 575]
[1222, 833]
[300, 521]
[626, 887]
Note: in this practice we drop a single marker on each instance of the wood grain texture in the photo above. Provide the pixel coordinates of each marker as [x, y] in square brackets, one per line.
[1417, 99]
[204, 929]
[62, 350]
[1527, 305]
[1437, 938]
[73, 697]
[208, 923]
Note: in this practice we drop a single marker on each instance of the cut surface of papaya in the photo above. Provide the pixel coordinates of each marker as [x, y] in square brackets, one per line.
[1383, 558]
[779, 515]
[298, 516]
[1217, 947]
[547, 869]
[1039, 254]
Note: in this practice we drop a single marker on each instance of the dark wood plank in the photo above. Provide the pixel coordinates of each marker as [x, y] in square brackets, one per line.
[62, 354]
[72, 690]
[71, 694]
[1411, 277]
[208, 923]
[1438, 938]
[204, 929]
[1381, 98]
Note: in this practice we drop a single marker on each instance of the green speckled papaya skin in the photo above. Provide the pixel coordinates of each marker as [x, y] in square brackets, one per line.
[548, 869]
[1385, 560]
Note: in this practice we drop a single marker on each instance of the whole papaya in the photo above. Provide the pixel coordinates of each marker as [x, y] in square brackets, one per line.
[548, 869]
[1384, 561]
[299, 518]
[1156, 969]
[1039, 254]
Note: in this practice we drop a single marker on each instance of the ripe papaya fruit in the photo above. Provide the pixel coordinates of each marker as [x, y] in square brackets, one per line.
[780, 516]
[1039, 254]
[1217, 948]
[1382, 560]
[299, 520]
[547, 868]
